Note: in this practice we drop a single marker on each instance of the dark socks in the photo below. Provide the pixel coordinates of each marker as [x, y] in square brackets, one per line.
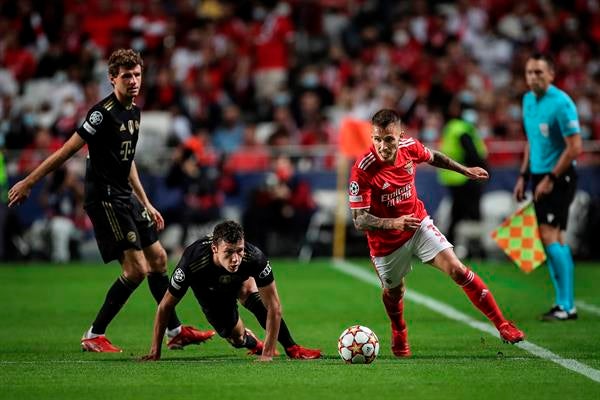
[116, 297]
[255, 305]
[158, 282]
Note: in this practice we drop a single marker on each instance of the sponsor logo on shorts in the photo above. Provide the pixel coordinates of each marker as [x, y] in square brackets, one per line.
[96, 118]
[131, 236]
[265, 272]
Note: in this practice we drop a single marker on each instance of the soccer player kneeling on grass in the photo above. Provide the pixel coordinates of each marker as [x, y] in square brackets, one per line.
[125, 223]
[221, 268]
[384, 203]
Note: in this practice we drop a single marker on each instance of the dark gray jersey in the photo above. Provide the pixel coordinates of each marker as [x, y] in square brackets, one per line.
[213, 285]
[111, 133]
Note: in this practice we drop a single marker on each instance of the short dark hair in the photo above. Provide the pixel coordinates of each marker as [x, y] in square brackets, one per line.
[383, 118]
[227, 231]
[123, 58]
[543, 57]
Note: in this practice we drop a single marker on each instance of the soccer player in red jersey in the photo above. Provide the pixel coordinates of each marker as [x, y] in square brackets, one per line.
[384, 203]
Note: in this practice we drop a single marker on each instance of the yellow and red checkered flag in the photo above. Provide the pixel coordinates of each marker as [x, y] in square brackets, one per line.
[518, 236]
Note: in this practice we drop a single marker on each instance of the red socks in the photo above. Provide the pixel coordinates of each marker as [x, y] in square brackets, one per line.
[480, 296]
[395, 310]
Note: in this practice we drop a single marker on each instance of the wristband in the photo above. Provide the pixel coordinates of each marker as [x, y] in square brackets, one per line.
[526, 175]
[553, 177]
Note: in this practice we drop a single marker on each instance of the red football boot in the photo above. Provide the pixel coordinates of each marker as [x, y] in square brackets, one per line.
[189, 335]
[510, 333]
[298, 352]
[400, 346]
[99, 344]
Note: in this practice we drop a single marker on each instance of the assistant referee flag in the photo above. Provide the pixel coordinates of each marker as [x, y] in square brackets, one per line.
[518, 236]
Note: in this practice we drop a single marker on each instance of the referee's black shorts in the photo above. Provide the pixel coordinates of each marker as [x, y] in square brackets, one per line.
[553, 209]
[121, 225]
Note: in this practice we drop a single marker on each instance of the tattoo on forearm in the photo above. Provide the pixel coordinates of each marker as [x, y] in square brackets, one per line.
[364, 221]
[441, 160]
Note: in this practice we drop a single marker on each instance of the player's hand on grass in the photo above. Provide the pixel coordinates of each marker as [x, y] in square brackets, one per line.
[153, 356]
[264, 358]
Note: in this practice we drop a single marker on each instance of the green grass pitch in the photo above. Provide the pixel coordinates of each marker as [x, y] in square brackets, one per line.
[45, 309]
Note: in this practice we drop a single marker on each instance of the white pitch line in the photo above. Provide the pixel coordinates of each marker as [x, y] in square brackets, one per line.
[588, 307]
[452, 313]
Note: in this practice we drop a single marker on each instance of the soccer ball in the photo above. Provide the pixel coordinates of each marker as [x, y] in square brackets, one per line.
[358, 345]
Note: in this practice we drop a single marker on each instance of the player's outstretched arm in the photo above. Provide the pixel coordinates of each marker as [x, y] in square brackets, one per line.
[364, 221]
[270, 298]
[163, 313]
[441, 160]
[21, 190]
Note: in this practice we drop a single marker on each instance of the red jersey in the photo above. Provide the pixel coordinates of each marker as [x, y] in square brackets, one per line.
[388, 191]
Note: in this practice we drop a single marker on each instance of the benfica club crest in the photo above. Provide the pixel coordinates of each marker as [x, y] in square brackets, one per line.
[408, 167]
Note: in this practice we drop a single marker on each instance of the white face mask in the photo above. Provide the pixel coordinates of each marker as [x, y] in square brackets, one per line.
[470, 116]
[400, 37]
[69, 110]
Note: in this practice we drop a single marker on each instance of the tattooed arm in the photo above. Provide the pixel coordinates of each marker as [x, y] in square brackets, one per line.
[364, 221]
[441, 160]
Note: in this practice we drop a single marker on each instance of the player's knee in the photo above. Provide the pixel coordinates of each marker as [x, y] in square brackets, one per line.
[549, 234]
[157, 261]
[134, 275]
[457, 272]
[247, 290]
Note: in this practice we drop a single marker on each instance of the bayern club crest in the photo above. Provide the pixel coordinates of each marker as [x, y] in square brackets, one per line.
[354, 188]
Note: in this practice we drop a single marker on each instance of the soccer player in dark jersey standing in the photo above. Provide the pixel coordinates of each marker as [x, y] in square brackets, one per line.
[384, 203]
[217, 269]
[125, 223]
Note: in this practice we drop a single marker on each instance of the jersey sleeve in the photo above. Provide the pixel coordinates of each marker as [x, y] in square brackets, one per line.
[567, 118]
[359, 189]
[420, 153]
[92, 123]
[261, 267]
[181, 277]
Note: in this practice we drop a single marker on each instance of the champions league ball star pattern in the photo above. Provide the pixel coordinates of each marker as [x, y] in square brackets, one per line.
[518, 236]
[358, 345]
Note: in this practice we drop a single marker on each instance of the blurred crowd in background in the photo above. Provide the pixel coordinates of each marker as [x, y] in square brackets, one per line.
[241, 79]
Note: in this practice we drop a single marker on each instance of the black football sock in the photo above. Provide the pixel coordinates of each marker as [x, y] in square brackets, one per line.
[255, 305]
[158, 282]
[116, 297]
